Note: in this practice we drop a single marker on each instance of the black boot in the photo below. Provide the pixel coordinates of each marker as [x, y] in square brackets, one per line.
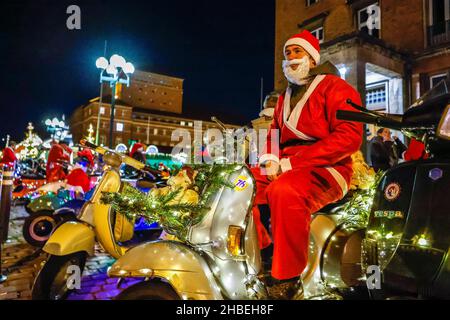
[291, 289]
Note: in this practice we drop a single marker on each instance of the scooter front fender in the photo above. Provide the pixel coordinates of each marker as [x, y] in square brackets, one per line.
[71, 237]
[185, 269]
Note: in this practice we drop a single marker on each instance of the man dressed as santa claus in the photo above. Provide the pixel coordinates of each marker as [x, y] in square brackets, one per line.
[307, 160]
[58, 156]
[78, 175]
[9, 156]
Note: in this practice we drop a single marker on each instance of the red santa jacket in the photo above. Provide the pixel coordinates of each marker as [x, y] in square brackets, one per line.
[314, 119]
[9, 156]
[54, 170]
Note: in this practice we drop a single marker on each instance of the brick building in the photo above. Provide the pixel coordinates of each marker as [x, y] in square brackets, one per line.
[147, 111]
[392, 51]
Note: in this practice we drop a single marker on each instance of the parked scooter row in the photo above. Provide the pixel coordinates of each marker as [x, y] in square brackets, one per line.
[73, 241]
[57, 202]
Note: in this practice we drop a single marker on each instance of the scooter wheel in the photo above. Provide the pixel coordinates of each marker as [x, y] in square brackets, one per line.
[51, 281]
[38, 227]
[149, 290]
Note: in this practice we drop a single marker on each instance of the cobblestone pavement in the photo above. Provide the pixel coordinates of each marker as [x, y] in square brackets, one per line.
[21, 262]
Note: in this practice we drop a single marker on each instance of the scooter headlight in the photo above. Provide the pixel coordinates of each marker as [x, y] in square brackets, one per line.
[443, 130]
[234, 240]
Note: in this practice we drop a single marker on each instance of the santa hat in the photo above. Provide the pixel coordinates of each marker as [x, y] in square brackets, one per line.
[86, 155]
[307, 41]
[135, 148]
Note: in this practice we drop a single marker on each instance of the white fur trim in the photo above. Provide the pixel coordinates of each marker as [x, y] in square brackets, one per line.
[292, 121]
[305, 45]
[268, 156]
[285, 165]
[403, 155]
[339, 179]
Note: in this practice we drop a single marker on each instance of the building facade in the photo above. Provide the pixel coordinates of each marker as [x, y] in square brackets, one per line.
[391, 51]
[148, 111]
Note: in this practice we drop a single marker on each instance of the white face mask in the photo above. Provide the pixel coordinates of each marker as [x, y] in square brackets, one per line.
[298, 75]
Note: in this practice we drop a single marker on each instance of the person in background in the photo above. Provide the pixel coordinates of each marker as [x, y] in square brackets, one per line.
[9, 156]
[394, 146]
[58, 155]
[379, 154]
[137, 152]
[78, 176]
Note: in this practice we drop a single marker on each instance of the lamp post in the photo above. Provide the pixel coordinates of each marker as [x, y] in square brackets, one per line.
[117, 70]
[57, 128]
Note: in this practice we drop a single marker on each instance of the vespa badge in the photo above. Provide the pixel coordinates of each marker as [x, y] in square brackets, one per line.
[392, 191]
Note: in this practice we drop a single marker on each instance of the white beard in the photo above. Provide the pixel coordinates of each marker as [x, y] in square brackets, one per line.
[299, 75]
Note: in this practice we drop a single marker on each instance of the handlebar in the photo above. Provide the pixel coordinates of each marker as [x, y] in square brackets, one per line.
[367, 116]
[92, 146]
[125, 159]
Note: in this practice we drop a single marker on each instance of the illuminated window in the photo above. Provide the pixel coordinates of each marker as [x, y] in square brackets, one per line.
[119, 126]
[102, 110]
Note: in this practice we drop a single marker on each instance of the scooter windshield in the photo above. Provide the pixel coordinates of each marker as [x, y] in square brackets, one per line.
[442, 88]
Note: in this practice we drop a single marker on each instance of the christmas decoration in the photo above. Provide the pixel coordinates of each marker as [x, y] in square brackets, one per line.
[179, 205]
[90, 136]
[29, 148]
[363, 186]
[363, 175]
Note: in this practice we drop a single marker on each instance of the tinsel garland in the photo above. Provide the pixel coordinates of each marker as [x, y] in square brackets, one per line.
[357, 210]
[174, 218]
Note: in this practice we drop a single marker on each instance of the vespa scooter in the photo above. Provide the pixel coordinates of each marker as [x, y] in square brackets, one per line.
[71, 242]
[221, 257]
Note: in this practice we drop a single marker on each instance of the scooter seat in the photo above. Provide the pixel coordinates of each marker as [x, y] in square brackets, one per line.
[334, 207]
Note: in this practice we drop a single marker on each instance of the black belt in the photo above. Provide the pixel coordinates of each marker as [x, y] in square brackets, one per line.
[292, 143]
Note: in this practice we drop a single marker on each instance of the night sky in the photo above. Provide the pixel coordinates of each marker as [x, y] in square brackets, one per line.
[221, 49]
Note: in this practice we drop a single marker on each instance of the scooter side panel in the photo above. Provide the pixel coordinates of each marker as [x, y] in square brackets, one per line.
[425, 239]
[234, 209]
[71, 237]
[185, 269]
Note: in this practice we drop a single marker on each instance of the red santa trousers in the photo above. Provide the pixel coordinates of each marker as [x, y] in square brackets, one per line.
[292, 198]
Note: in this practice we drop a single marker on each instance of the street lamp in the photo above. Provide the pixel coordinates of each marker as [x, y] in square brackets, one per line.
[58, 129]
[114, 71]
